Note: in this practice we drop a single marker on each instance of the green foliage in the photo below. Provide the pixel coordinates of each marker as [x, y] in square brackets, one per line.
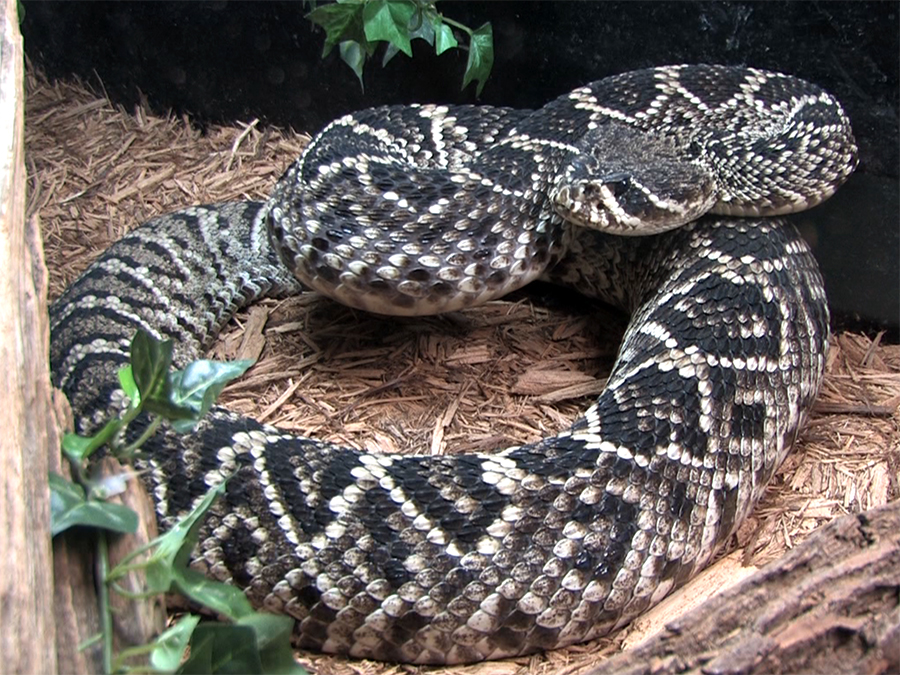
[357, 27]
[253, 642]
[182, 396]
[71, 506]
[481, 56]
[168, 651]
[259, 643]
[193, 391]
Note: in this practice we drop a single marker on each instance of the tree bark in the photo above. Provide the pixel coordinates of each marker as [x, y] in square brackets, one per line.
[28, 636]
[829, 606]
[42, 627]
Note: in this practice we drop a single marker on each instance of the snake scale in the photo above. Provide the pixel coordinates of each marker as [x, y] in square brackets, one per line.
[421, 209]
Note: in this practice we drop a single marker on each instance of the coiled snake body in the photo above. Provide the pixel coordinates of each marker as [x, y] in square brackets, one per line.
[448, 559]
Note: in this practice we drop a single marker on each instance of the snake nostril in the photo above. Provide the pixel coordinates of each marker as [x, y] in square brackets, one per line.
[618, 183]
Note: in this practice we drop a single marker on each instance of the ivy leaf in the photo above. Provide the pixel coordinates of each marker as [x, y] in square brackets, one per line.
[182, 396]
[341, 21]
[273, 635]
[169, 647]
[443, 37]
[129, 386]
[354, 56]
[170, 550]
[150, 362]
[64, 496]
[481, 57]
[79, 448]
[107, 516]
[258, 643]
[222, 598]
[419, 29]
[422, 27]
[389, 52]
[197, 387]
[388, 20]
[69, 507]
[221, 648]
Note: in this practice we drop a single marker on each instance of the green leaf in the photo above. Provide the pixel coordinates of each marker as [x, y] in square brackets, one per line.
[104, 515]
[227, 600]
[169, 647]
[259, 643]
[481, 57]
[77, 448]
[443, 37]
[129, 386]
[64, 496]
[69, 507]
[172, 550]
[183, 396]
[273, 636]
[221, 648]
[150, 363]
[354, 56]
[388, 20]
[195, 389]
[389, 52]
[419, 29]
[341, 21]
[422, 27]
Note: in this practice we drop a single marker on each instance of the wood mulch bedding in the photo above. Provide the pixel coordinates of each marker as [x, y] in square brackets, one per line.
[510, 372]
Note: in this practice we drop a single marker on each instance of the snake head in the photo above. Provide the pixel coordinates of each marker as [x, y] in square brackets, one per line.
[626, 181]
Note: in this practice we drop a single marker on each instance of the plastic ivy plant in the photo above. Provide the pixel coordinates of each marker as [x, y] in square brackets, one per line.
[252, 642]
[358, 27]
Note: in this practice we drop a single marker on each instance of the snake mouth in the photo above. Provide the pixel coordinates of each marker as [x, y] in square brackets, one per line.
[620, 205]
[616, 204]
[592, 205]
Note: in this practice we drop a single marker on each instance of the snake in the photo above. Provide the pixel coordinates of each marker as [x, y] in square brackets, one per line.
[658, 191]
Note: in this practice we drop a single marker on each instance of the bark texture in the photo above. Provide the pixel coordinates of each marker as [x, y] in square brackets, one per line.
[831, 605]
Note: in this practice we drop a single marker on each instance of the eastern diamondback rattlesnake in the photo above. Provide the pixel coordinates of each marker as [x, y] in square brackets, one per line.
[447, 559]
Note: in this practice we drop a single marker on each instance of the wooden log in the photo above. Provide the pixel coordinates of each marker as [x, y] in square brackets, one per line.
[27, 638]
[44, 625]
[831, 605]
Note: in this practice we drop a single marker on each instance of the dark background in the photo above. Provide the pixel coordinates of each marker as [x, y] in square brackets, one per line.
[227, 61]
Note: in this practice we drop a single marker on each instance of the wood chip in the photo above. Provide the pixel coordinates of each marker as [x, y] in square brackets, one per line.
[254, 340]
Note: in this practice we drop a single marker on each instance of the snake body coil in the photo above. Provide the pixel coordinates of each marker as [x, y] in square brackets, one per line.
[448, 559]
